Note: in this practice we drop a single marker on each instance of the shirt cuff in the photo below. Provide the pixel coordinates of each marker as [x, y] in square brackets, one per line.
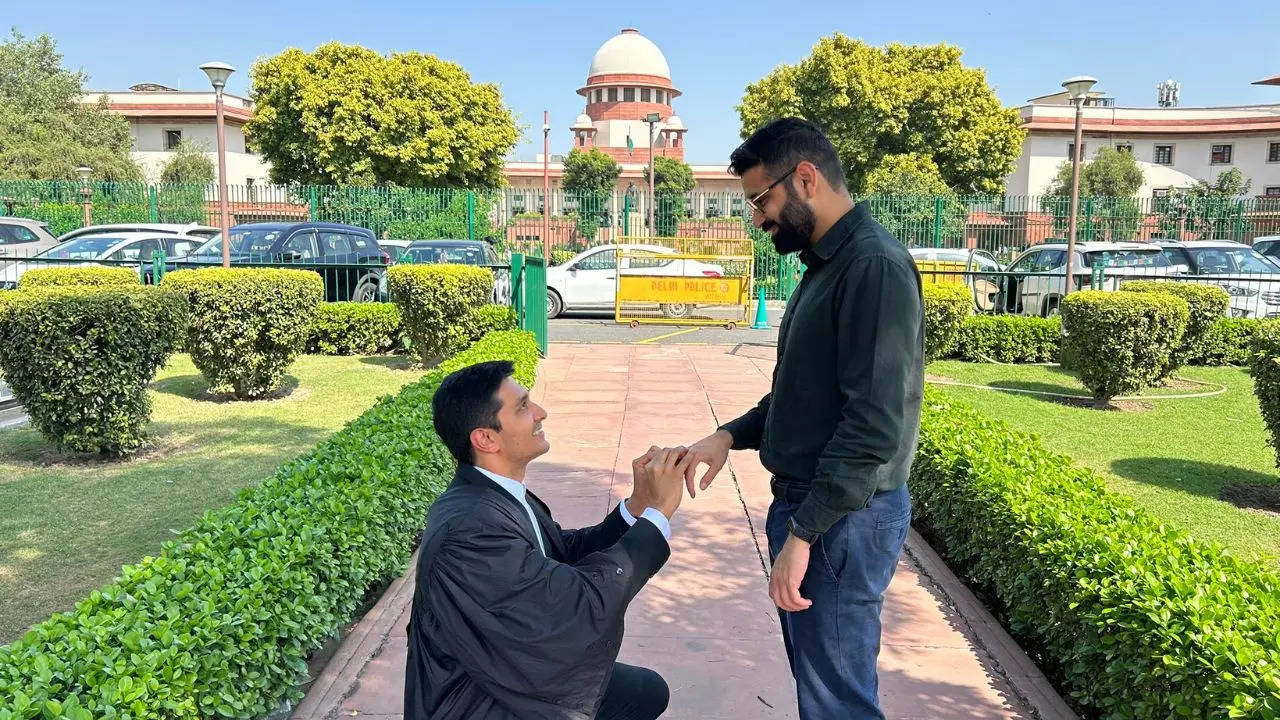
[653, 515]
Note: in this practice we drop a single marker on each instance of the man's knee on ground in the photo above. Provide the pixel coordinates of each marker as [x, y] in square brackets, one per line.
[656, 693]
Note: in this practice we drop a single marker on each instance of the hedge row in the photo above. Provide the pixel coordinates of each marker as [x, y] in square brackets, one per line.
[368, 328]
[1135, 619]
[945, 308]
[78, 277]
[1206, 303]
[222, 621]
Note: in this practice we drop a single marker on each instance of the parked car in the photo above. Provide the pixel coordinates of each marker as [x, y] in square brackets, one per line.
[1268, 245]
[193, 229]
[944, 265]
[395, 248]
[348, 258]
[1037, 284]
[22, 238]
[1249, 277]
[589, 280]
[465, 252]
[131, 250]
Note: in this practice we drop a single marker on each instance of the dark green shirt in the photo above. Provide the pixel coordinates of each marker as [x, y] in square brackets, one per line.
[843, 415]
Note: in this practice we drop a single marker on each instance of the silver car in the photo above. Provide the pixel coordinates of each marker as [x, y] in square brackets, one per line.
[22, 238]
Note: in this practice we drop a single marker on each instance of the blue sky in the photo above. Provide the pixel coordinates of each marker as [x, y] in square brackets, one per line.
[538, 52]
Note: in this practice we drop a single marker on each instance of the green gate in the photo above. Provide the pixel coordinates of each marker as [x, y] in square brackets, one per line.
[529, 295]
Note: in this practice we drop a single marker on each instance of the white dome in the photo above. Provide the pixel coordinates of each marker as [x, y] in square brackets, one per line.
[674, 123]
[629, 53]
[583, 122]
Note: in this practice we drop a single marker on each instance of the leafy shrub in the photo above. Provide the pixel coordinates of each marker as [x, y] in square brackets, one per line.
[945, 308]
[354, 328]
[247, 324]
[1207, 304]
[1135, 619]
[79, 360]
[560, 257]
[78, 277]
[221, 622]
[492, 318]
[436, 305]
[1121, 341]
[1264, 366]
[1009, 339]
[1227, 342]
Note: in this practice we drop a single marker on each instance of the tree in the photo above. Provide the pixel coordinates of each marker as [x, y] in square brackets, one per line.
[188, 165]
[897, 100]
[1108, 206]
[672, 180]
[1210, 210]
[913, 203]
[589, 179]
[45, 129]
[346, 115]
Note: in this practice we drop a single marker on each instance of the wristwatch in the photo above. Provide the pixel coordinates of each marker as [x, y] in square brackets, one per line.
[804, 535]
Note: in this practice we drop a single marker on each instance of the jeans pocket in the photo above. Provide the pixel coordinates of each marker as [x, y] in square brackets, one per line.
[891, 530]
[833, 548]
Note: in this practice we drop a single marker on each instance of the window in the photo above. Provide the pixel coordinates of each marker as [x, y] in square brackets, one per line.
[362, 242]
[1159, 192]
[646, 95]
[303, 244]
[15, 235]
[1071, 149]
[140, 251]
[1125, 147]
[599, 95]
[662, 97]
[613, 94]
[333, 244]
[1273, 152]
[1026, 262]
[181, 248]
[735, 206]
[628, 95]
[1220, 155]
[648, 260]
[1050, 260]
[1272, 191]
[1163, 155]
[172, 139]
[606, 260]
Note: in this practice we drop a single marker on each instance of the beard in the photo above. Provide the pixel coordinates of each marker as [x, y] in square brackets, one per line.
[795, 226]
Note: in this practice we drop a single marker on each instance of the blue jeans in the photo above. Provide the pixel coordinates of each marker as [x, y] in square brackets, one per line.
[833, 645]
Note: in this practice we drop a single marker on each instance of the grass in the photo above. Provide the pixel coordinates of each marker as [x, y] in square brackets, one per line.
[67, 524]
[1174, 457]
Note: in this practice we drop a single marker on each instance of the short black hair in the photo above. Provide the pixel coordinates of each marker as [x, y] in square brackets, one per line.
[468, 399]
[784, 143]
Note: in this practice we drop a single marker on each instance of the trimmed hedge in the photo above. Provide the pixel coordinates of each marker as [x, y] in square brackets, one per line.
[1264, 366]
[1009, 339]
[79, 360]
[437, 304]
[1207, 305]
[1227, 342]
[945, 308]
[492, 318]
[222, 621]
[1134, 618]
[247, 324]
[1121, 341]
[354, 328]
[78, 277]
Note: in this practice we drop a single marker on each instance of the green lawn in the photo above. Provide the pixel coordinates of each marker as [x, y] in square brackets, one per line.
[68, 524]
[1172, 456]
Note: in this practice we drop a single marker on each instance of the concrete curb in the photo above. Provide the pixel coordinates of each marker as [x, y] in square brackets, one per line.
[1003, 652]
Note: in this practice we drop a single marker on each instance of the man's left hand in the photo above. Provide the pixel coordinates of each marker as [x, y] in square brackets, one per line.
[787, 574]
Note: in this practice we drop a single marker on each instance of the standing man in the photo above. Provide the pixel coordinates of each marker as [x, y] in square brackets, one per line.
[839, 429]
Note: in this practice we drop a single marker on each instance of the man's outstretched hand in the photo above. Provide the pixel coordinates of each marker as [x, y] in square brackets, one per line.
[712, 451]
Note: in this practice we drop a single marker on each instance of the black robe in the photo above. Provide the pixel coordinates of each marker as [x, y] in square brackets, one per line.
[498, 630]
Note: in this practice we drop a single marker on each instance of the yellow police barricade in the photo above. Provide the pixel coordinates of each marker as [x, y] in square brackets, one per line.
[682, 288]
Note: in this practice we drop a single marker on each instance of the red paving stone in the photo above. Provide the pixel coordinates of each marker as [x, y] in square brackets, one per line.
[705, 621]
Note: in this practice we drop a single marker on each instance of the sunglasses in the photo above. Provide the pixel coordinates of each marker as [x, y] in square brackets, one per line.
[754, 201]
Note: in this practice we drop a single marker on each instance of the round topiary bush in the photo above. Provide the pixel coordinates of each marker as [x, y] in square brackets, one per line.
[437, 305]
[78, 277]
[491, 318]
[1207, 303]
[354, 328]
[946, 306]
[1264, 366]
[247, 324]
[79, 360]
[1121, 341]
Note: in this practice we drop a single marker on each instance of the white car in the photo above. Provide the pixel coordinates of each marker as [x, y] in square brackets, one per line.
[1039, 284]
[589, 281]
[1251, 279]
[131, 250]
[204, 232]
[944, 265]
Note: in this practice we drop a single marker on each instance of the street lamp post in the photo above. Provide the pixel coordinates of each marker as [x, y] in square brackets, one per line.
[1078, 89]
[218, 73]
[652, 119]
[546, 187]
[86, 193]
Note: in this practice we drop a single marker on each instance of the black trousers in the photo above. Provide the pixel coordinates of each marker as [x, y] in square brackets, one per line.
[634, 693]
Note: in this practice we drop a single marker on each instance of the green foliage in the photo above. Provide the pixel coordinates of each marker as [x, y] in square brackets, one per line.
[354, 328]
[909, 197]
[560, 257]
[408, 213]
[1122, 341]
[945, 308]
[1227, 342]
[1209, 210]
[1009, 339]
[437, 304]
[1135, 619]
[873, 102]
[1107, 209]
[672, 180]
[247, 324]
[79, 360]
[1207, 303]
[491, 318]
[188, 164]
[221, 622]
[345, 114]
[45, 131]
[1264, 366]
[590, 178]
[78, 277]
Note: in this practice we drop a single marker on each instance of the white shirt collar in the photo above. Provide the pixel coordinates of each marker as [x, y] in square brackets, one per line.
[514, 488]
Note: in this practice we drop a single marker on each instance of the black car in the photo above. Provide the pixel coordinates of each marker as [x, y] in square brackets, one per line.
[463, 252]
[347, 257]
